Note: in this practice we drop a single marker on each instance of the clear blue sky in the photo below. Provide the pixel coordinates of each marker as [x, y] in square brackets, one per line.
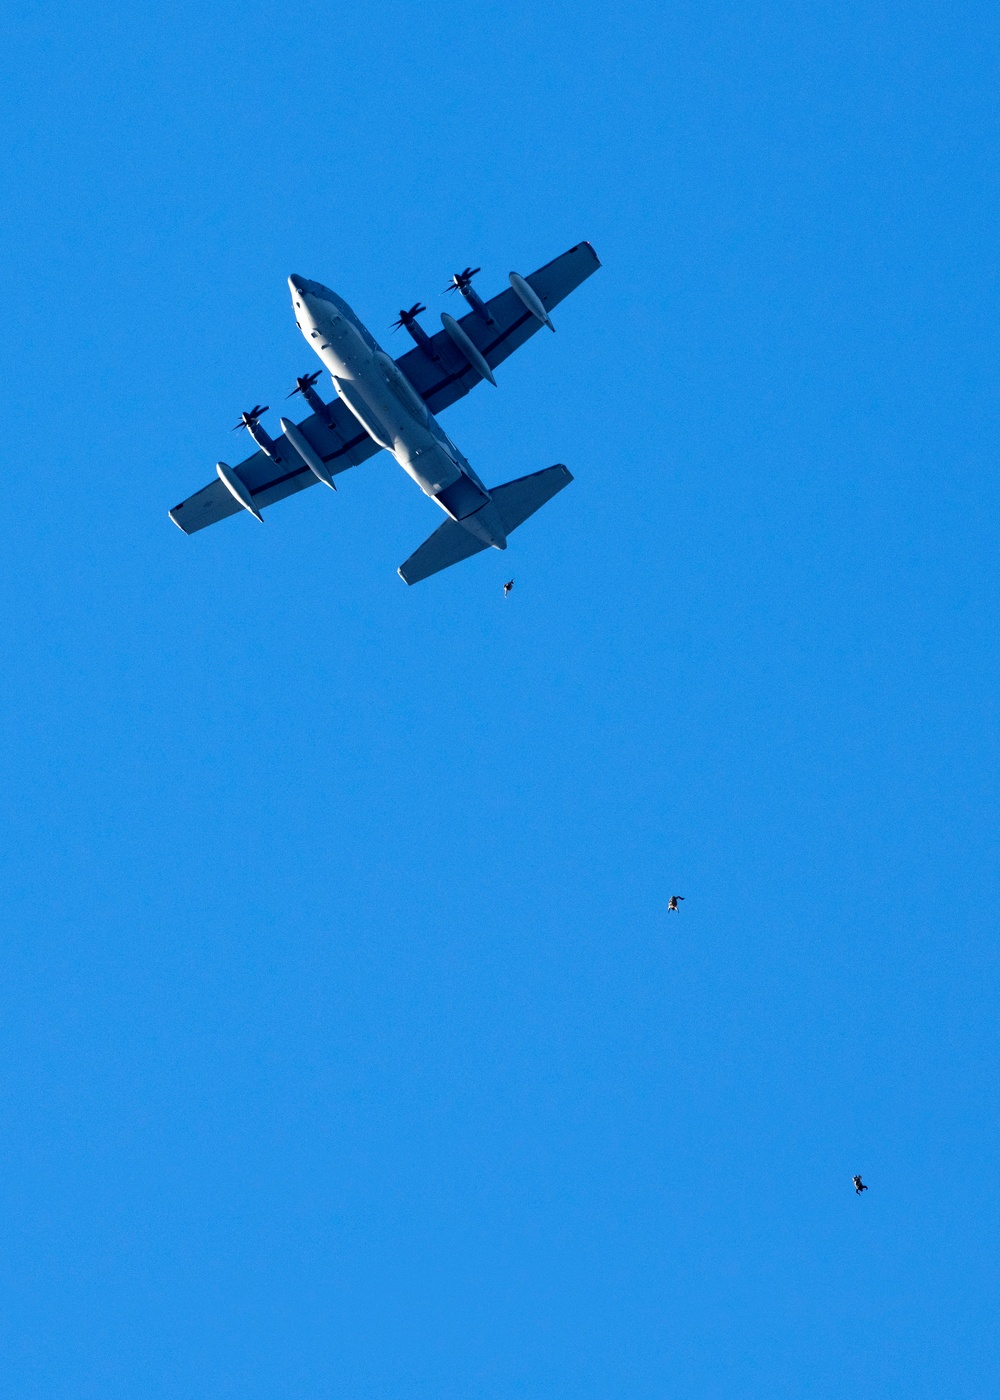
[346, 1049]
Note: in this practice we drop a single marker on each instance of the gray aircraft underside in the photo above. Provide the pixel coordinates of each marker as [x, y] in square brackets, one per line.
[392, 404]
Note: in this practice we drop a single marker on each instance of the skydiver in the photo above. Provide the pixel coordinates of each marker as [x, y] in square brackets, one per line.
[673, 907]
[508, 586]
[859, 1186]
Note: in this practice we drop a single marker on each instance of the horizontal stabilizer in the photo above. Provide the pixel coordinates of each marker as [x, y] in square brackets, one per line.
[449, 544]
[452, 542]
[518, 499]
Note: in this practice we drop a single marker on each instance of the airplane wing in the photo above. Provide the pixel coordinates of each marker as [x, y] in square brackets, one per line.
[442, 382]
[345, 445]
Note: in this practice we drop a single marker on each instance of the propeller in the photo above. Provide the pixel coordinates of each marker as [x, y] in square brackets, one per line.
[406, 317]
[460, 280]
[247, 418]
[304, 382]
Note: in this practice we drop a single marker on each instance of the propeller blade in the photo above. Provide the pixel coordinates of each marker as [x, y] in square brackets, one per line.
[460, 280]
[247, 418]
[405, 317]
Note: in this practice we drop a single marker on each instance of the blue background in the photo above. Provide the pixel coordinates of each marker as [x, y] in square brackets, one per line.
[346, 1049]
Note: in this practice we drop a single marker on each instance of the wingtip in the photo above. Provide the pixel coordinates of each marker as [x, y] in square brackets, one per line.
[586, 243]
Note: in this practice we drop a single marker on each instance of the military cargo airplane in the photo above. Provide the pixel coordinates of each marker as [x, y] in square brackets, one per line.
[392, 404]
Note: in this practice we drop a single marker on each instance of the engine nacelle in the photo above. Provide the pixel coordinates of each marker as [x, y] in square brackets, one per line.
[321, 409]
[264, 441]
[416, 330]
[462, 282]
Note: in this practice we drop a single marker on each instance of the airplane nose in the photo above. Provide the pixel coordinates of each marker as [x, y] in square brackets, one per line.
[294, 284]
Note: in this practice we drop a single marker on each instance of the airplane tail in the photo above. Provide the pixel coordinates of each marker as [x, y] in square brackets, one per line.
[514, 502]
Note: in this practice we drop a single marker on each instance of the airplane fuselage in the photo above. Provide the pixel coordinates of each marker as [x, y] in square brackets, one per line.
[390, 410]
